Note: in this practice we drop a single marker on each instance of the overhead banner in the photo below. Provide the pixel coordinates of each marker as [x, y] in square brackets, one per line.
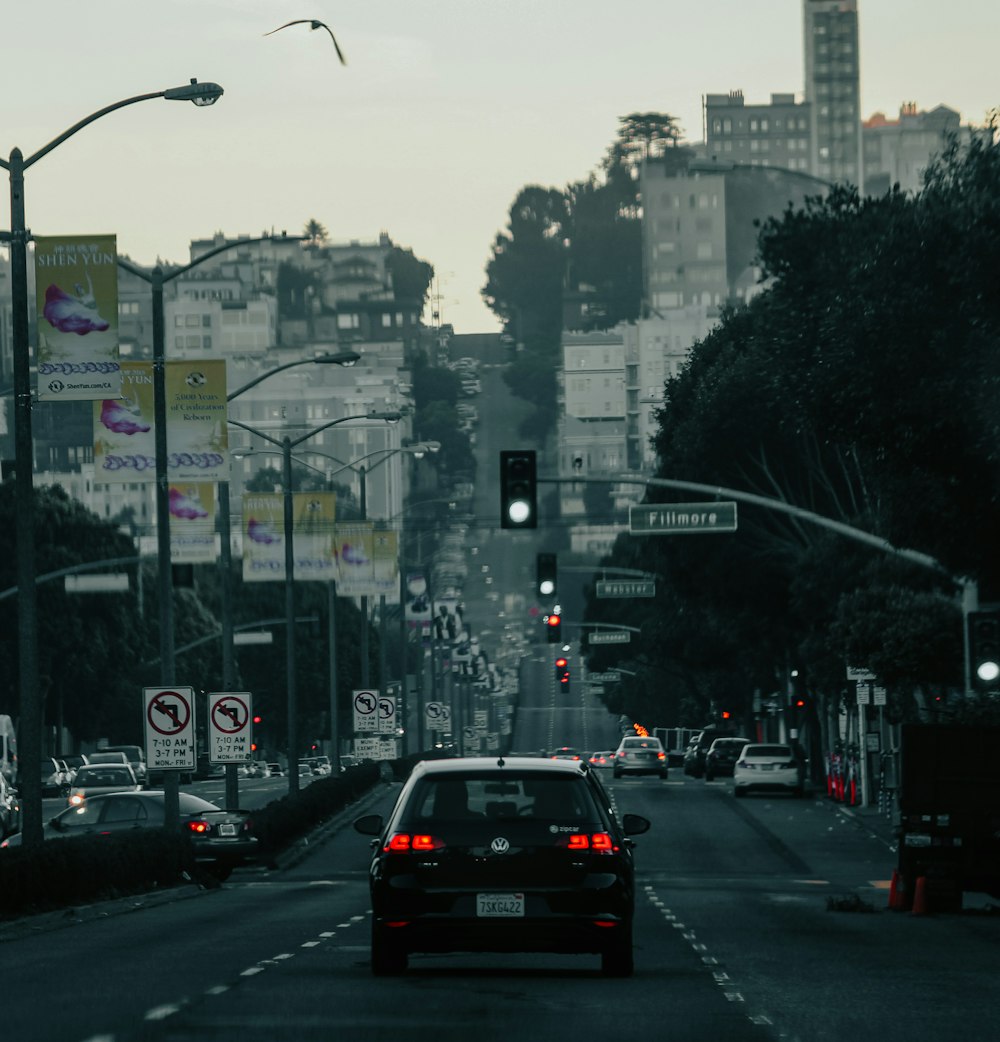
[192, 522]
[76, 298]
[367, 560]
[417, 609]
[197, 441]
[313, 517]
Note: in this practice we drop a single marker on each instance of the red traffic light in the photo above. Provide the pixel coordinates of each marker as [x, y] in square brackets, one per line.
[726, 714]
[256, 718]
[561, 663]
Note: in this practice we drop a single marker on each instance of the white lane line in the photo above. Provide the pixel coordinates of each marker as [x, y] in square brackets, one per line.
[161, 1012]
[252, 971]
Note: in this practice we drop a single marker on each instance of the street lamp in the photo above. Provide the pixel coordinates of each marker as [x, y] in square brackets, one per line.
[418, 450]
[165, 592]
[286, 445]
[30, 711]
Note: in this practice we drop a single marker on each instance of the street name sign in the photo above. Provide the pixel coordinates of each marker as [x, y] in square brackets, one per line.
[610, 637]
[254, 637]
[625, 588]
[603, 678]
[859, 673]
[682, 518]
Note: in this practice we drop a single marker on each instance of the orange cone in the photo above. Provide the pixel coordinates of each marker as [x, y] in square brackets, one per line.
[920, 897]
[895, 902]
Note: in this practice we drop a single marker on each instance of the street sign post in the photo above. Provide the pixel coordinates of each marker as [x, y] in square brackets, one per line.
[229, 727]
[682, 518]
[625, 588]
[609, 637]
[169, 723]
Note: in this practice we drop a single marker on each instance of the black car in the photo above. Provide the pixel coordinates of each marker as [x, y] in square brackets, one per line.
[697, 750]
[220, 839]
[721, 756]
[502, 855]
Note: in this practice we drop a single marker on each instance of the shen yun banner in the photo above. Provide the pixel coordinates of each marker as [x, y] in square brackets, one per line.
[367, 561]
[197, 442]
[76, 298]
[313, 516]
[192, 522]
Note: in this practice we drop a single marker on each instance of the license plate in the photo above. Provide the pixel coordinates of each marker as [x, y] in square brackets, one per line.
[227, 829]
[499, 905]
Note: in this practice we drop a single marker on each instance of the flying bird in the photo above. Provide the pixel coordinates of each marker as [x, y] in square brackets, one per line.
[314, 24]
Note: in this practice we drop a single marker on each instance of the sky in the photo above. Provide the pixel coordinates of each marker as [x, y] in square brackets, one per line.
[445, 110]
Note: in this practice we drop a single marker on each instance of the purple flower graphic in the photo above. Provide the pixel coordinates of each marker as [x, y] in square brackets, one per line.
[72, 314]
[116, 417]
[262, 532]
[184, 507]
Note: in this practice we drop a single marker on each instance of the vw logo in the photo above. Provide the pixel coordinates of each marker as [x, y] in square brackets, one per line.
[499, 845]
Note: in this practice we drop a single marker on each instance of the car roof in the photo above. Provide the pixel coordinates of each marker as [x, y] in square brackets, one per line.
[460, 764]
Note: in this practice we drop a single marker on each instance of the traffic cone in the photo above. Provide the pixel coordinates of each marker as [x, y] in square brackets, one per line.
[920, 897]
[895, 897]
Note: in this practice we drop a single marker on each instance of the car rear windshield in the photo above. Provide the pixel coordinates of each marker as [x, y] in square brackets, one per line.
[103, 776]
[523, 796]
[642, 743]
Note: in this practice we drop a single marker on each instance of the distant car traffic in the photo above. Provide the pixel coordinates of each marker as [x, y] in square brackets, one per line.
[55, 780]
[96, 778]
[510, 855]
[604, 758]
[220, 839]
[721, 756]
[566, 752]
[763, 768]
[274, 770]
[640, 754]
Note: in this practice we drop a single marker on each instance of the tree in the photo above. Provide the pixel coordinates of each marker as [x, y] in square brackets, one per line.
[315, 233]
[411, 278]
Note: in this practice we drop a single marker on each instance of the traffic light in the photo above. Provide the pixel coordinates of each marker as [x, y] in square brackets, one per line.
[562, 673]
[545, 575]
[553, 628]
[984, 650]
[518, 491]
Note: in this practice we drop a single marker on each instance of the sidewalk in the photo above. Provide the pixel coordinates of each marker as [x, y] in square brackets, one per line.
[869, 818]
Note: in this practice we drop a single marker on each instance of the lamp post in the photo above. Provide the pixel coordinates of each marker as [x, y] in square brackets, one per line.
[286, 444]
[165, 592]
[200, 94]
[343, 358]
[418, 450]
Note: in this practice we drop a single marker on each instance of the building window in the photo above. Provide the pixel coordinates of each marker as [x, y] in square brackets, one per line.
[763, 126]
[348, 321]
[704, 251]
[386, 321]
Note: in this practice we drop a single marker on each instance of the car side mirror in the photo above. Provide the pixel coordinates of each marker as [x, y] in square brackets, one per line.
[369, 825]
[635, 824]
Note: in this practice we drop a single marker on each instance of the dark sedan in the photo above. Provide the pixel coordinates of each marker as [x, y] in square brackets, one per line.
[502, 855]
[721, 756]
[220, 839]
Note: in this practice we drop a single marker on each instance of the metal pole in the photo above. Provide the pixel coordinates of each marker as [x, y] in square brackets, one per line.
[363, 495]
[293, 730]
[165, 583]
[228, 657]
[382, 663]
[331, 636]
[30, 723]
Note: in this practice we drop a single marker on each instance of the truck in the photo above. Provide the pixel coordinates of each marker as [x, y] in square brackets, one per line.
[949, 814]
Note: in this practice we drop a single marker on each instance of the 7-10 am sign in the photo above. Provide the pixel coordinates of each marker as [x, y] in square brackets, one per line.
[230, 731]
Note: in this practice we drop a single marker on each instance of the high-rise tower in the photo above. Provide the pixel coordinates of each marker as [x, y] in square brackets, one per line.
[833, 88]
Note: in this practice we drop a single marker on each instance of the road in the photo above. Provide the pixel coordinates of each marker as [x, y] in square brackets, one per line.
[735, 939]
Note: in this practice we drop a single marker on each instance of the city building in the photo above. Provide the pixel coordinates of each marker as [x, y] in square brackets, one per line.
[774, 134]
[833, 89]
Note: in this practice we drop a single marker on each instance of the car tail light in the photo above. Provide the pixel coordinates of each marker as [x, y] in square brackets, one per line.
[199, 827]
[404, 843]
[661, 756]
[599, 842]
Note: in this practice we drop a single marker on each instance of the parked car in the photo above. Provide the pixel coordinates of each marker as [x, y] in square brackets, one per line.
[640, 754]
[768, 768]
[513, 855]
[10, 809]
[136, 757]
[721, 756]
[220, 839]
[98, 778]
[55, 781]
